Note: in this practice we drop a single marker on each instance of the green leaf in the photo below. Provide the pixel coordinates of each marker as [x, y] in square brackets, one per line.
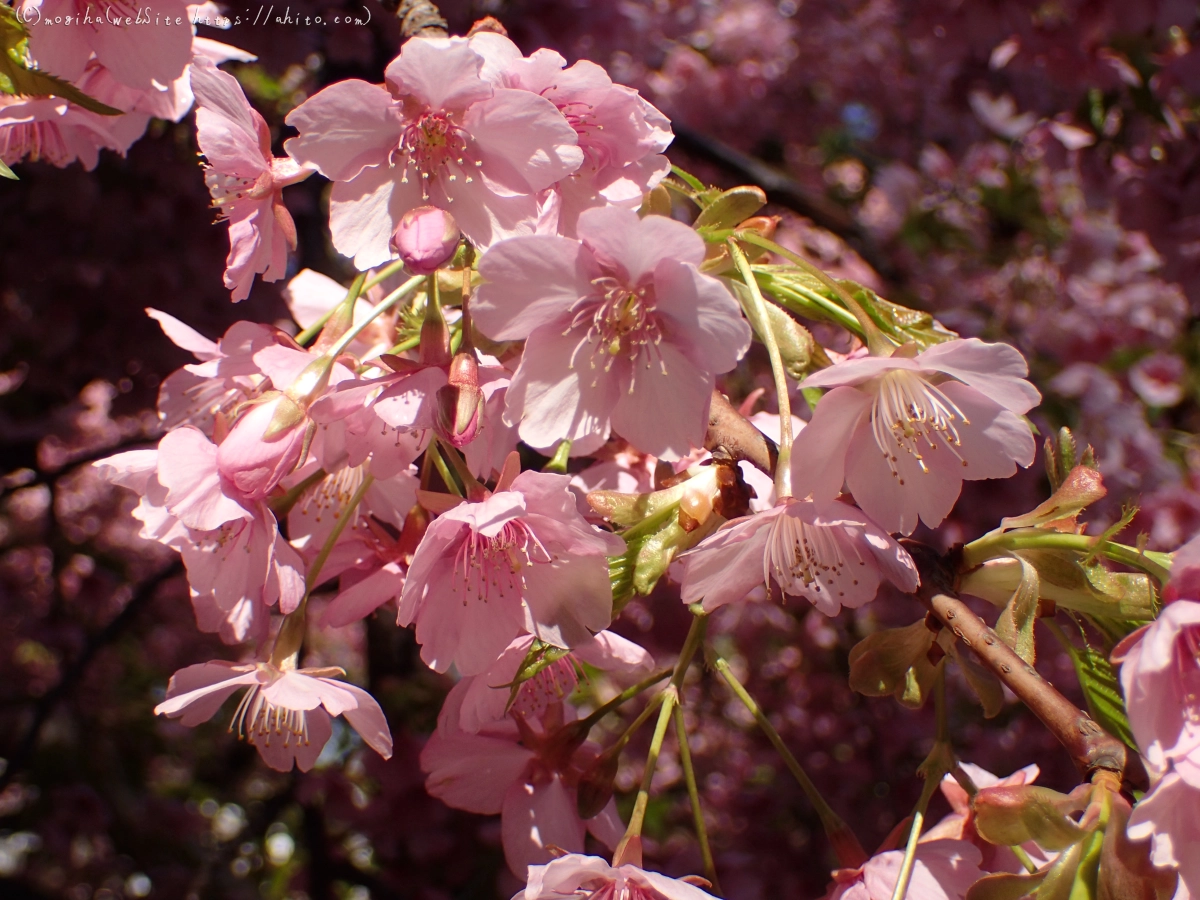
[1081, 487]
[1102, 691]
[1010, 815]
[731, 208]
[6, 172]
[1015, 625]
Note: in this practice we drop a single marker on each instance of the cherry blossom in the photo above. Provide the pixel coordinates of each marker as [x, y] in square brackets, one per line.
[575, 875]
[830, 554]
[285, 713]
[435, 134]
[521, 560]
[944, 870]
[244, 179]
[622, 332]
[904, 432]
[621, 135]
[527, 775]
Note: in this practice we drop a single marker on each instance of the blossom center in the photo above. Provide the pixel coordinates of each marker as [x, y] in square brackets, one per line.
[434, 146]
[621, 321]
[552, 684]
[485, 564]
[34, 141]
[810, 554]
[912, 416]
[257, 718]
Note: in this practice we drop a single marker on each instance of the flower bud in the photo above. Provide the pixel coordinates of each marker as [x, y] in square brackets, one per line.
[426, 238]
[460, 403]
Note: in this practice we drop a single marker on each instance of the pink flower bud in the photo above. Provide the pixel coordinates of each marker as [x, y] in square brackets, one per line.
[460, 403]
[425, 239]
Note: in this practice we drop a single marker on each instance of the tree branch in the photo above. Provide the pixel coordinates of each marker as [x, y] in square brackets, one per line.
[732, 432]
[1090, 746]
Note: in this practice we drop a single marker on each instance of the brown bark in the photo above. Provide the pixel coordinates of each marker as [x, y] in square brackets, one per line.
[732, 433]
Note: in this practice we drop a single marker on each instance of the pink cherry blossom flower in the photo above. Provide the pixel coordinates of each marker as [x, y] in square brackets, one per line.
[521, 560]
[831, 554]
[59, 132]
[944, 870]
[225, 375]
[581, 876]
[1160, 674]
[622, 332]
[139, 53]
[621, 135]
[245, 180]
[436, 134]
[1166, 816]
[905, 432]
[529, 777]
[487, 697]
[286, 712]
[237, 562]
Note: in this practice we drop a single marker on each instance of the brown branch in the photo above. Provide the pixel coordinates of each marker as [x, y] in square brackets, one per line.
[730, 431]
[418, 18]
[1090, 746]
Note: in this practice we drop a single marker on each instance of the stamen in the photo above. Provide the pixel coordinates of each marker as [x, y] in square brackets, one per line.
[907, 411]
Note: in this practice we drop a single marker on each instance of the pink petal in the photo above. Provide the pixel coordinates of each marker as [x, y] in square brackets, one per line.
[726, 566]
[195, 693]
[665, 415]
[221, 93]
[528, 281]
[344, 128]
[484, 213]
[525, 143]
[364, 211]
[818, 454]
[896, 501]
[138, 55]
[184, 336]
[997, 371]
[994, 443]
[636, 246]
[856, 371]
[552, 398]
[536, 816]
[440, 73]
[369, 721]
[230, 149]
[364, 598]
[568, 601]
[472, 772]
[187, 468]
[616, 655]
[701, 317]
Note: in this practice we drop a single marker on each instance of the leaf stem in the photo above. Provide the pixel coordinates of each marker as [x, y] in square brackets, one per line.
[585, 725]
[689, 776]
[849, 850]
[758, 310]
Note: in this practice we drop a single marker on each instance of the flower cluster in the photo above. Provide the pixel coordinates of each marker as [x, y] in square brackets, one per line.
[538, 319]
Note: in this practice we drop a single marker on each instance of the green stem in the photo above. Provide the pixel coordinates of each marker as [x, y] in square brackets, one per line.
[356, 288]
[669, 697]
[384, 274]
[692, 181]
[932, 780]
[282, 505]
[383, 306]
[808, 303]
[689, 776]
[877, 342]
[783, 468]
[835, 828]
[444, 470]
[585, 724]
[343, 518]
[986, 547]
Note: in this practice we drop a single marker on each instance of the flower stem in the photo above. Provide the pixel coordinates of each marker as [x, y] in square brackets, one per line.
[585, 724]
[384, 274]
[689, 775]
[352, 293]
[783, 468]
[345, 516]
[669, 697]
[849, 851]
[383, 306]
[1156, 565]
